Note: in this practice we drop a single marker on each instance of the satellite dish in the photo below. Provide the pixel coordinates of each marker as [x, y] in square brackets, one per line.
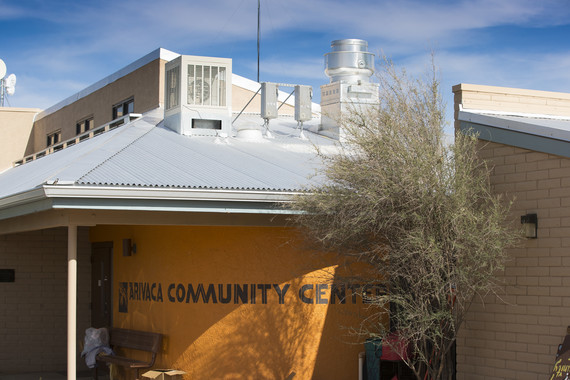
[10, 83]
[2, 69]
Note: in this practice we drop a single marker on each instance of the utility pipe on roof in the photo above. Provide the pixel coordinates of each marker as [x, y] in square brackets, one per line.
[71, 302]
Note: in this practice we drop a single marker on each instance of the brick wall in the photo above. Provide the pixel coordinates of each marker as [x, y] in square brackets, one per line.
[33, 309]
[516, 337]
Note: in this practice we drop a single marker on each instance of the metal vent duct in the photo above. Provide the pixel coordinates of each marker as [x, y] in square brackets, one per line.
[349, 61]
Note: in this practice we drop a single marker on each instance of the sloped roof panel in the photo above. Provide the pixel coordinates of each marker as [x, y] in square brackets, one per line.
[145, 154]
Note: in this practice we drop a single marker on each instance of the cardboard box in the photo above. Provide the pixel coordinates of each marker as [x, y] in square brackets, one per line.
[164, 374]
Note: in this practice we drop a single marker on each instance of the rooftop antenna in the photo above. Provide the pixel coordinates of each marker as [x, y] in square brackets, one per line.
[7, 85]
[258, 34]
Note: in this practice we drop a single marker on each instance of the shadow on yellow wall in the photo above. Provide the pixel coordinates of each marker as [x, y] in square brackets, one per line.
[194, 285]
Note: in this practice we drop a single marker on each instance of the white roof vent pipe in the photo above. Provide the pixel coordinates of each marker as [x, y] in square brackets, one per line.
[349, 61]
[349, 66]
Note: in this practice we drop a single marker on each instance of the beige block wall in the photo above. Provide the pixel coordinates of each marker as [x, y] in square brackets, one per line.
[33, 311]
[144, 84]
[15, 133]
[516, 336]
[506, 99]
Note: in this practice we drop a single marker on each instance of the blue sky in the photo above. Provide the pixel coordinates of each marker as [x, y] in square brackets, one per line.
[58, 47]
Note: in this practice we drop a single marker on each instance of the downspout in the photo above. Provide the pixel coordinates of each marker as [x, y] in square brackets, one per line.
[71, 302]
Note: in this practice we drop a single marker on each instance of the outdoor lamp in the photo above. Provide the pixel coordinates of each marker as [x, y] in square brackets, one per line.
[530, 222]
[128, 247]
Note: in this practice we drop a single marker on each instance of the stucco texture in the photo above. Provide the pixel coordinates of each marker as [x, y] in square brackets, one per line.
[284, 331]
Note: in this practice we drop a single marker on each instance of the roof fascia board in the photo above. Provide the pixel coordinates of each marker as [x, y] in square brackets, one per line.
[515, 125]
[31, 207]
[170, 205]
[26, 197]
[159, 53]
[145, 193]
[143, 199]
[517, 139]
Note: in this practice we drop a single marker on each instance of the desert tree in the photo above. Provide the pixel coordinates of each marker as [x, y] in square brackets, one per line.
[417, 212]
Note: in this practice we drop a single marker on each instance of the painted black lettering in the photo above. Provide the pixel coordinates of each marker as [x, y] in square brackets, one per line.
[338, 291]
[169, 293]
[320, 293]
[159, 293]
[302, 291]
[152, 291]
[228, 296]
[147, 291]
[131, 292]
[240, 293]
[264, 288]
[354, 289]
[281, 292]
[252, 295]
[180, 293]
[206, 295]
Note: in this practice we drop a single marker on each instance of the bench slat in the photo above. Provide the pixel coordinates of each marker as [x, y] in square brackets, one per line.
[131, 339]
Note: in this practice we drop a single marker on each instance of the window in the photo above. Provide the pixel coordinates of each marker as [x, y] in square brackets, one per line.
[53, 138]
[123, 108]
[84, 125]
[172, 88]
[207, 85]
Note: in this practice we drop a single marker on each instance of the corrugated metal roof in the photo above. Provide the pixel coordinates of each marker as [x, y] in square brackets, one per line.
[145, 154]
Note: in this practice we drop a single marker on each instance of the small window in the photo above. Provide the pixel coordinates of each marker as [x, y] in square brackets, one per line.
[53, 138]
[173, 88]
[84, 126]
[123, 108]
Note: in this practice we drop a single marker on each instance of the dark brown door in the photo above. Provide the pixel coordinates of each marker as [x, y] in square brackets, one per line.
[101, 258]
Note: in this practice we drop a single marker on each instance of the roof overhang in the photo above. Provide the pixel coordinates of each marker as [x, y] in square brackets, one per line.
[547, 135]
[62, 198]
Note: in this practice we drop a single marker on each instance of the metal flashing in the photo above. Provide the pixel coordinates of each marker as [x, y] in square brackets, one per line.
[517, 138]
[554, 128]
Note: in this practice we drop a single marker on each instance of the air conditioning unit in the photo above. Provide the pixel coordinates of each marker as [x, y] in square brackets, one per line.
[198, 93]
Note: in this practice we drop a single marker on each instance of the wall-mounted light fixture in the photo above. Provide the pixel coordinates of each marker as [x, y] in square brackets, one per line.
[530, 223]
[129, 248]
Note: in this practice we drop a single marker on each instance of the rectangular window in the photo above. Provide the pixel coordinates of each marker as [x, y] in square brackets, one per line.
[206, 85]
[123, 108]
[84, 125]
[53, 138]
[172, 88]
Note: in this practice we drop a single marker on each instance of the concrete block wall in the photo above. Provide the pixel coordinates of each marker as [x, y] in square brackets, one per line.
[504, 99]
[516, 336]
[33, 309]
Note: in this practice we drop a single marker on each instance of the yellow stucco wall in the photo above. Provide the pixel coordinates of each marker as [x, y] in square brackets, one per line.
[234, 340]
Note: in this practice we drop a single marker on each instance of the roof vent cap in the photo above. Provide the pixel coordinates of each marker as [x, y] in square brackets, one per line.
[349, 61]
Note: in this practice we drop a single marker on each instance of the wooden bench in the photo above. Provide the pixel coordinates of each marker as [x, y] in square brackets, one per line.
[131, 339]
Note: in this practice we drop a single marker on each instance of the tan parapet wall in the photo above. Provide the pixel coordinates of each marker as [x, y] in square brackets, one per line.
[505, 99]
[15, 133]
[145, 85]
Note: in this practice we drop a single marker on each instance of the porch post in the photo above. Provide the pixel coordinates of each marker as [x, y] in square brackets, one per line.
[71, 302]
